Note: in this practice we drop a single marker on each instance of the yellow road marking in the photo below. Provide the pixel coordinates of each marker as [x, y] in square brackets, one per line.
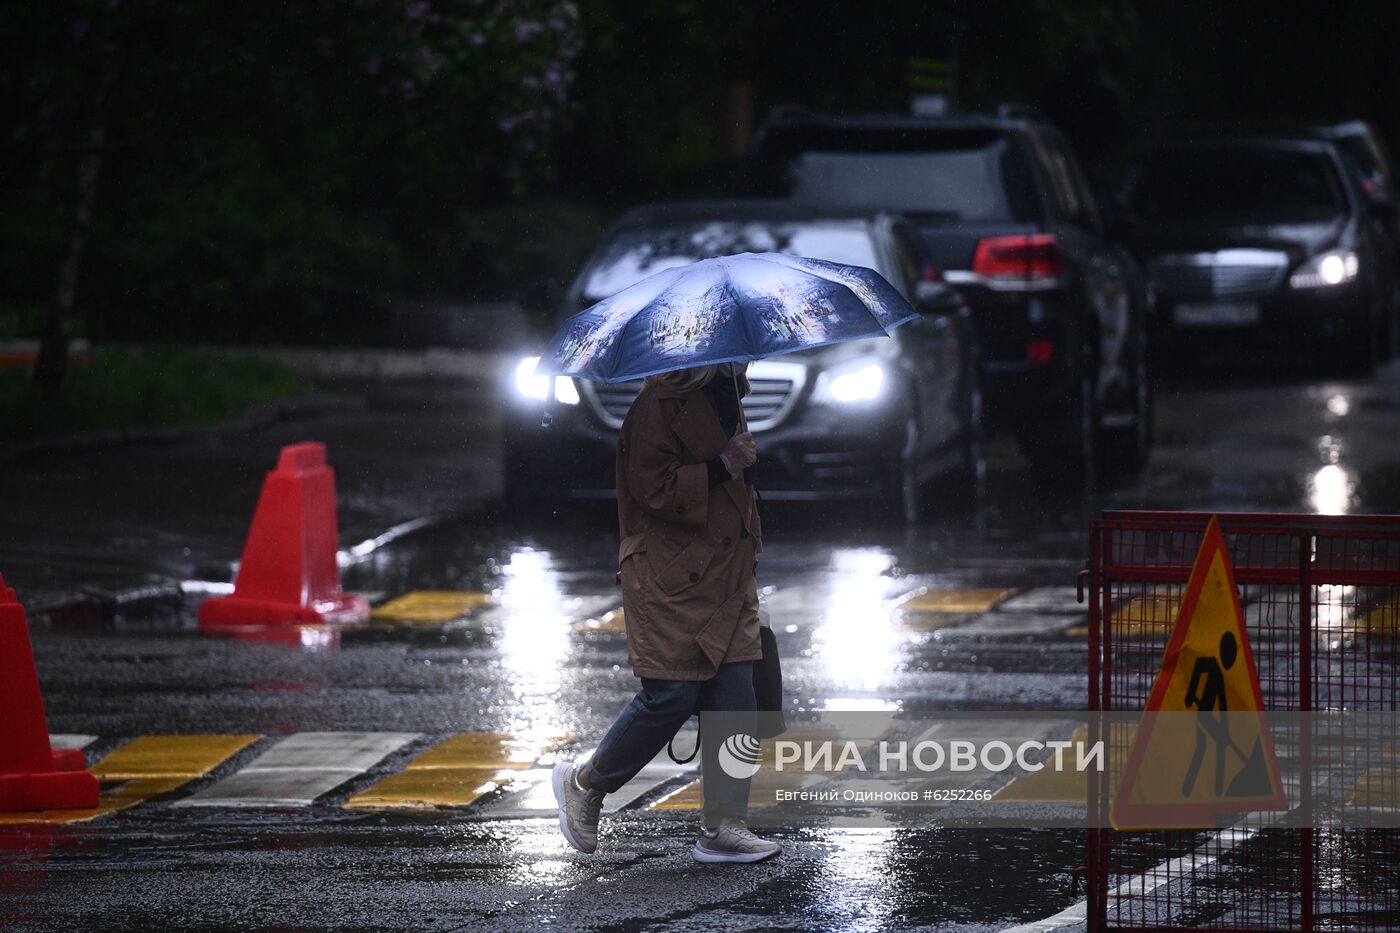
[456, 772]
[954, 600]
[430, 606]
[610, 623]
[146, 767]
[1378, 787]
[1382, 620]
[1152, 614]
[1067, 784]
[1051, 785]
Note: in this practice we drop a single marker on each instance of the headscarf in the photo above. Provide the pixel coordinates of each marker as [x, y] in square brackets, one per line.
[681, 381]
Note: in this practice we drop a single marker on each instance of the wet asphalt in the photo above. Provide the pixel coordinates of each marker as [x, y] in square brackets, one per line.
[1224, 441]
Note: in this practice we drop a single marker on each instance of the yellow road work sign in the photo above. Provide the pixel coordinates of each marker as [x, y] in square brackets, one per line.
[1202, 748]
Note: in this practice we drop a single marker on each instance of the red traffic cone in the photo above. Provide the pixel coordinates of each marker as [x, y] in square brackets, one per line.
[32, 775]
[289, 575]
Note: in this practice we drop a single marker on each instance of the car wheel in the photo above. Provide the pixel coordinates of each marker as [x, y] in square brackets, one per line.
[1125, 450]
[1062, 444]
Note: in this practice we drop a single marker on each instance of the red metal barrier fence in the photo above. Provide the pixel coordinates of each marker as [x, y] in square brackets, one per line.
[1321, 599]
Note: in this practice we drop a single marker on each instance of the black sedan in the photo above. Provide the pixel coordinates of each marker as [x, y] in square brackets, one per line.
[1264, 239]
[895, 419]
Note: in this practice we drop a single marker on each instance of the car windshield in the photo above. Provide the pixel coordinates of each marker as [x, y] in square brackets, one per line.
[635, 254]
[1243, 185]
[970, 184]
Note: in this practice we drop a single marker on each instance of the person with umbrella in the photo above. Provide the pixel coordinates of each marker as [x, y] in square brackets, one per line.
[688, 521]
[690, 540]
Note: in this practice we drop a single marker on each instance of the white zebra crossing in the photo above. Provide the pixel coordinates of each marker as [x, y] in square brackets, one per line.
[301, 768]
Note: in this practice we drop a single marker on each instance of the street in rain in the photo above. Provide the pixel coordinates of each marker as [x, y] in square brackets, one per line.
[496, 466]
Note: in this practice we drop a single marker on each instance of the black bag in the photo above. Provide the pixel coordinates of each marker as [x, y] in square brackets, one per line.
[768, 687]
[767, 692]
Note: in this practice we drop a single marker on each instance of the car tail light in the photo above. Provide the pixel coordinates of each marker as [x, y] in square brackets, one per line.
[1034, 259]
[1040, 352]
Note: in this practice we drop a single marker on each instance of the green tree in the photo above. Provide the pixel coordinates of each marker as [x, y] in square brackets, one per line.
[202, 168]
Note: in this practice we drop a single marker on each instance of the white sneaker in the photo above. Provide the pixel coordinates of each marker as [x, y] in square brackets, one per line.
[733, 842]
[578, 808]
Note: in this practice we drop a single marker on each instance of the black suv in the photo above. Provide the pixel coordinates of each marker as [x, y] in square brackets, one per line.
[1060, 309]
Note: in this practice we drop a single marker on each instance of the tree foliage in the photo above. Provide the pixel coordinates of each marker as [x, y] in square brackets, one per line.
[267, 167]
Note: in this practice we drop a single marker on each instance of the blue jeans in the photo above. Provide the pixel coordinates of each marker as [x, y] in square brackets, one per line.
[652, 719]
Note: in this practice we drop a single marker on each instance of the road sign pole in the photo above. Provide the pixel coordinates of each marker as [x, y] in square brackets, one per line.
[1305, 846]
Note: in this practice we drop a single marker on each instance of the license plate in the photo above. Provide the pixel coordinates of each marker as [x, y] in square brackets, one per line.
[1217, 314]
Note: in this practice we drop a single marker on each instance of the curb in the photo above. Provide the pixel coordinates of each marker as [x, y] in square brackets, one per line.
[91, 604]
[259, 416]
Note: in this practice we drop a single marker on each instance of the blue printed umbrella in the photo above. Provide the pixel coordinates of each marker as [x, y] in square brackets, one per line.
[728, 309]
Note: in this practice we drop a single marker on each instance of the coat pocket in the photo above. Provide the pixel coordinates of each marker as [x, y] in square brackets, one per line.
[686, 569]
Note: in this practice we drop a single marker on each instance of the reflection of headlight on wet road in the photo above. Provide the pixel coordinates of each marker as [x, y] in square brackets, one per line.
[1330, 490]
[851, 384]
[537, 387]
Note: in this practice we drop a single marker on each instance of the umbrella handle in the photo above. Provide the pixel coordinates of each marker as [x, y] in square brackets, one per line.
[743, 422]
[750, 474]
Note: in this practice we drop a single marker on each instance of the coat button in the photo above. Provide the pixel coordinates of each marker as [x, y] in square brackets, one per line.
[680, 510]
[728, 541]
[695, 578]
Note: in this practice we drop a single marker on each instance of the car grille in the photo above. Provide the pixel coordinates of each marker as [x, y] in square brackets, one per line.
[775, 387]
[1230, 273]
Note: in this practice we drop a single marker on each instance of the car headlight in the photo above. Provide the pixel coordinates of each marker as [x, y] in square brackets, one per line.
[849, 385]
[537, 387]
[1326, 269]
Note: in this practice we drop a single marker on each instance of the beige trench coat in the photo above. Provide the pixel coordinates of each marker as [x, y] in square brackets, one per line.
[689, 552]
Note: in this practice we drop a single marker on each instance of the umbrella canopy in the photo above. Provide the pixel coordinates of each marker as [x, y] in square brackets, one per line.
[732, 308]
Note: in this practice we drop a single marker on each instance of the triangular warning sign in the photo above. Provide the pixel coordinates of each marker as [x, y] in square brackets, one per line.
[1202, 748]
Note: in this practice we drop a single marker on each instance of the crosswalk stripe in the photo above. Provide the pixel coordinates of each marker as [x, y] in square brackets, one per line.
[147, 767]
[456, 772]
[71, 741]
[431, 606]
[301, 768]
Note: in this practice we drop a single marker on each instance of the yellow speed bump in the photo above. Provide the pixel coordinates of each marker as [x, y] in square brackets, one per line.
[1149, 614]
[954, 600]
[1378, 788]
[1384, 619]
[1066, 784]
[429, 606]
[147, 767]
[456, 772]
